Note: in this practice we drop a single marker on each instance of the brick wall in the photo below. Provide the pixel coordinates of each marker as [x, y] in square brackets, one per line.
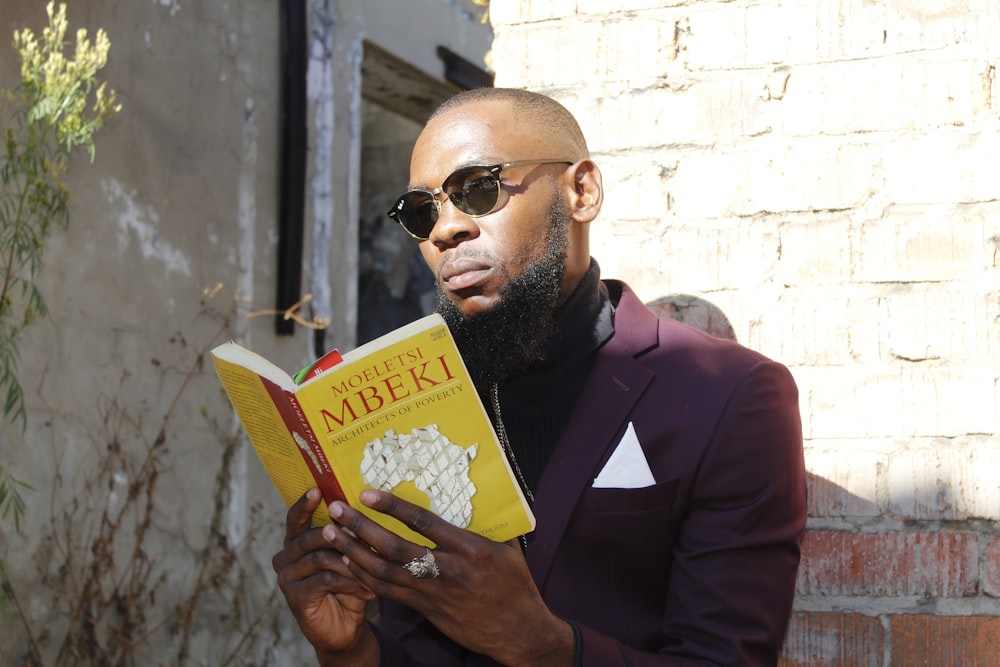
[827, 175]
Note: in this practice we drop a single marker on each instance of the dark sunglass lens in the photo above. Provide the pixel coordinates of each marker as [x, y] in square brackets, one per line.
[417, 213]
[481, 194]
[474, 191]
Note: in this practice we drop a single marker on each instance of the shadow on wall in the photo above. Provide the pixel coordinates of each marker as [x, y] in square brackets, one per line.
[696, 312]
[829, 500]
[828, 567]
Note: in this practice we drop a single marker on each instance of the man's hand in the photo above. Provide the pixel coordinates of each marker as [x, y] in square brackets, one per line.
[484, 598]
[326, 599]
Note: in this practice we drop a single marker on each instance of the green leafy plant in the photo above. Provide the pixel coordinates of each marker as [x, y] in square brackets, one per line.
[57, 107]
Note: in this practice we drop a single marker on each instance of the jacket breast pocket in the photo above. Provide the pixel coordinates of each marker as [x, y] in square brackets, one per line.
[629, 531]
[611, 500]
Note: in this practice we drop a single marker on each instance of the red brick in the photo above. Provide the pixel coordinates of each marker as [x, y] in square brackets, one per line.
[945, 641]
[991, 569]
[889, 564]
[820, 639]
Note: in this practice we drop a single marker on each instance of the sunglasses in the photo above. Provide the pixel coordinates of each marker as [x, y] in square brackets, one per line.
[474, 191]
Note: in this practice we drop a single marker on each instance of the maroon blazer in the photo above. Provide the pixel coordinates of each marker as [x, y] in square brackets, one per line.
[698, 568]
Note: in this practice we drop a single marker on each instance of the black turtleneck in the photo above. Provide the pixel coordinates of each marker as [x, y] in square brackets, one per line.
[536, 405]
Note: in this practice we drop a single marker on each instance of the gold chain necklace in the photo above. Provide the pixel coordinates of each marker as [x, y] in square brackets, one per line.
[505, 441]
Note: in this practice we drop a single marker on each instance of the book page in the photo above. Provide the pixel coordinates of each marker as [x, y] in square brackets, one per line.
[271, 439]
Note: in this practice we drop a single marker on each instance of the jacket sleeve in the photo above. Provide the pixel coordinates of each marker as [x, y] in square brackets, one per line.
[438, 651]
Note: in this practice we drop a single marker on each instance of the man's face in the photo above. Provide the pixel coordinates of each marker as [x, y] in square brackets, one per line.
[507, 338]
[474, 258]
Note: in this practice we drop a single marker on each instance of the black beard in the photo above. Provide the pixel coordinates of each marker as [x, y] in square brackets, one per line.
[505, 340]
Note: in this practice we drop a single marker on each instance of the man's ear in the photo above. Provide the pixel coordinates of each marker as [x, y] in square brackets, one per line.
[588, 192]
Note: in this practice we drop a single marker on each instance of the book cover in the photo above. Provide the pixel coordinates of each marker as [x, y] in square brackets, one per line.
[399, 413]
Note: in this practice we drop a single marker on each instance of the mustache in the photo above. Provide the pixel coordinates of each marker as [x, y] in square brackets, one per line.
[467, 253]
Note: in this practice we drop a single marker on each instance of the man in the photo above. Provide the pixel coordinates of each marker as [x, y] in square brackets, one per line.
[664, 466]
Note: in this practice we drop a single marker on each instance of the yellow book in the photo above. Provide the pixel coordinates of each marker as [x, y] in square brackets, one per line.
[399, 413]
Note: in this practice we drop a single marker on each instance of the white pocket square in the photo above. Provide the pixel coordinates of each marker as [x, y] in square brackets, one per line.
[627, 468]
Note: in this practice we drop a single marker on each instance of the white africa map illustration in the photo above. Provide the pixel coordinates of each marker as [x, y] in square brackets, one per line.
[435, 464]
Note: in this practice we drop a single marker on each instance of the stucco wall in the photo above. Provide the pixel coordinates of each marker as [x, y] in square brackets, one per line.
[171, 245]
[825, 174]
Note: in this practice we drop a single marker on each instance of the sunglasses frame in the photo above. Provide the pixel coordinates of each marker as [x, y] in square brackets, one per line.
[493, 170]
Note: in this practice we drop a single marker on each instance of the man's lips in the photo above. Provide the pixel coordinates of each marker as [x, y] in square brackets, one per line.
[464, 272]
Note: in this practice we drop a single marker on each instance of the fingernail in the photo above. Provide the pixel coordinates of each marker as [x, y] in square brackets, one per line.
[329, 533]
[336, 509]
[368, 497]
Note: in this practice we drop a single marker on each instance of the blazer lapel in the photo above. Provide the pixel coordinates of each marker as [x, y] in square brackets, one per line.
[615, 383]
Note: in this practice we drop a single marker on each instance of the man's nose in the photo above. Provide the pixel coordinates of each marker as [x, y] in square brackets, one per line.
[452, 226]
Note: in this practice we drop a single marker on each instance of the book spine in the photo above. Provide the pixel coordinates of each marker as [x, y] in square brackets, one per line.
[306, 442]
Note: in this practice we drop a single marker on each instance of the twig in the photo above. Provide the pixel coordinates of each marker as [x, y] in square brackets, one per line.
[290, 313]
[32, 643]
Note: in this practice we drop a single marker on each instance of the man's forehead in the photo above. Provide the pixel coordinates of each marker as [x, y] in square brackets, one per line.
[476, 133]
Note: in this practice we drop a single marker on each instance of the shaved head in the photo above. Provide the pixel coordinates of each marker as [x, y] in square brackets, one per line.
[548, 117]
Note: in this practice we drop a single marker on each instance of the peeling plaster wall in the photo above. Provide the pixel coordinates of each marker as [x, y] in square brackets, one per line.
[178, 200]
[171, 245]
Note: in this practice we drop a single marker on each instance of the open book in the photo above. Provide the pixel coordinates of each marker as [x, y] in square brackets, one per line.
[399, 413]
